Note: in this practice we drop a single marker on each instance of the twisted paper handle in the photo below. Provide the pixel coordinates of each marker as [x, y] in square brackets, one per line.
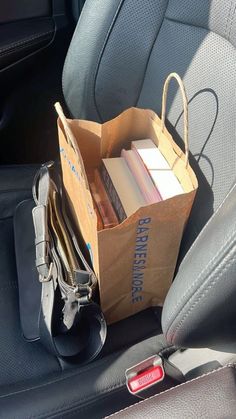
[185, 106]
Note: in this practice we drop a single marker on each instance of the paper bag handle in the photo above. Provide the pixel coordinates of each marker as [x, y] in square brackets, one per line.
[185, 106]
[70, 138]
[66, 127]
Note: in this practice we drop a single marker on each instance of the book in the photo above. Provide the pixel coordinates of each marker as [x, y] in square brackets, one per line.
[121, 186]
[102, 201]
[100, 225]
[142, 176]
[159, 169]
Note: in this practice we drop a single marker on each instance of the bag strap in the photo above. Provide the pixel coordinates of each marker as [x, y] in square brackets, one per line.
[40, 225]
[86, 338]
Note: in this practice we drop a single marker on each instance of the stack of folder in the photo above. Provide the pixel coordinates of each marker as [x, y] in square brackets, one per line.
[140, 177]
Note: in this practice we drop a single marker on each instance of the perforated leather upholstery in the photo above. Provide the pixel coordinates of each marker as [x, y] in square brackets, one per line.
[120, 54]
[125, 59]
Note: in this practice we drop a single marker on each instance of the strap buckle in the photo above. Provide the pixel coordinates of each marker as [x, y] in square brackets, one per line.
[144, 375]
[42, 278]
[83, 294]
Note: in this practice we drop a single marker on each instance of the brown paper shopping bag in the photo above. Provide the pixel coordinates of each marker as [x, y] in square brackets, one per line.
[134, 261]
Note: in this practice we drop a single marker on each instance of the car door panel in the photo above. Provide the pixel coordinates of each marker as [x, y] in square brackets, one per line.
[29, 25]
[34, 38]
[18, 39]
[16, 10]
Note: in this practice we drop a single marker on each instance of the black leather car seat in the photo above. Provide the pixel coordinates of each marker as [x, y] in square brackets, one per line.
[121, 52]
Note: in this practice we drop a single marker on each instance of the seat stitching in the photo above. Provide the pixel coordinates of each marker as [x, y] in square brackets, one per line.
[83, 369]
[232, 21]
[211, 262]
[137, 341]
[73, 374]
[203, 271]
[164, 350]
[151, 50]
[76, 404]
[25, 45]
[172, 389]
[66, 59]
[103, 49]
[192, 25]
[93, 398]
[226, 265]
[178, 304]
[53, 381]
[9, 217]
[226, 34]
[210, 220]
[8, 191]
[119, 7]
[86, 399]
[25, 41]
[27, 167]
[79, 409]
[13, 285]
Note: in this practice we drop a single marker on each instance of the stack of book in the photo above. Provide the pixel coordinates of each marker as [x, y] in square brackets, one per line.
[140, 177]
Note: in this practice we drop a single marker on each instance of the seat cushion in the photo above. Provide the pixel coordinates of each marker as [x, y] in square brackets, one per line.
[28, 373]
[19, 360]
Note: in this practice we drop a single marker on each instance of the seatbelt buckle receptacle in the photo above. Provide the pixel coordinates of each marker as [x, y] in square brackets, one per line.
[144, 375]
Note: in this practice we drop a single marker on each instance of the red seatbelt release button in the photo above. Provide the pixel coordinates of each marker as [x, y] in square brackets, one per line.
[144, 375]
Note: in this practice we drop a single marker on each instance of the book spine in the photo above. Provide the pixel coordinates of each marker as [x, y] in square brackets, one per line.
[113, 195]
[142, 176]
[104, 204]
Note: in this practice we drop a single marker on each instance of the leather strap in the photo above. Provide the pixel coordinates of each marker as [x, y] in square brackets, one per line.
[82, 333]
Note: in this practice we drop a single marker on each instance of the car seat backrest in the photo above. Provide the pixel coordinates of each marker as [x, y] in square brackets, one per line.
[120, 55]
